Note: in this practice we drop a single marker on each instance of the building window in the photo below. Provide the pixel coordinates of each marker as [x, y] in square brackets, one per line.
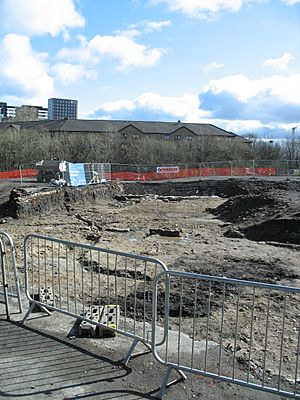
[135, 136]
[189, 138]
[147, 136]
[167, 137]
[178, 137]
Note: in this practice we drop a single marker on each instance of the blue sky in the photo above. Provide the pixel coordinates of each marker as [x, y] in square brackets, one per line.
[232, 63]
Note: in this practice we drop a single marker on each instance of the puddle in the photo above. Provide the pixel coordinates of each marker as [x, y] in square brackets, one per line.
[170, 238]
[132, 239]
[183, 240]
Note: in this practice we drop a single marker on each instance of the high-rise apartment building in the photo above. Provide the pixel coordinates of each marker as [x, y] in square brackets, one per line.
[22, 113]
[62, 108]
[3, 110]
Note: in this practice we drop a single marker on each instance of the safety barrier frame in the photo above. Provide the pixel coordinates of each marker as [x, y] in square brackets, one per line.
[80, 275]
[249, 290]
[9, 275]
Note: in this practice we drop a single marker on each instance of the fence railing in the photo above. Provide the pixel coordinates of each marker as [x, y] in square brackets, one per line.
[240, 332]
[257, 168]
[9, 280]
[85, 281]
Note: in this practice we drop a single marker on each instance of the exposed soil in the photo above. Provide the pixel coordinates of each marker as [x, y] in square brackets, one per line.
[252, 235]
[270, 216]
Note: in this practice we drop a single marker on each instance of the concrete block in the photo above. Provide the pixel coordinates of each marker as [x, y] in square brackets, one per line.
[44, 296]
[110, 318]
[92, 313]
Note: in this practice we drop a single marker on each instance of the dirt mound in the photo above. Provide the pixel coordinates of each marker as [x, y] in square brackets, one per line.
[272, 216]
[219, 186]
[37, 201]
[249, 207]
[284, 230]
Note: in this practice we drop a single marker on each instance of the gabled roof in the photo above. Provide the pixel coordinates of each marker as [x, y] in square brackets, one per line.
[41, 125]
[114, 126]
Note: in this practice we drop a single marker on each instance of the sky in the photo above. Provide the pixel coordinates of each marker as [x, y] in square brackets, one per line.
[231, 63]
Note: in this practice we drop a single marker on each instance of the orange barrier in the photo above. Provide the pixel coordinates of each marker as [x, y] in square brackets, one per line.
[26, 173]
[192, 172]
[154, 176]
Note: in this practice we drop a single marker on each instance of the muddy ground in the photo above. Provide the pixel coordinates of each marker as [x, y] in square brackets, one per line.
[253, 234]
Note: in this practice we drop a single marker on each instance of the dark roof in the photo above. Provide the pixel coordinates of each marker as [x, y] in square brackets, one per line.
[109, 126]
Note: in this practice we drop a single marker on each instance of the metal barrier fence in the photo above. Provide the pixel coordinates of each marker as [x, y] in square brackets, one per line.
[97, 172]
[240, 332]
[83, 281]
[77, 174]
[9, 281]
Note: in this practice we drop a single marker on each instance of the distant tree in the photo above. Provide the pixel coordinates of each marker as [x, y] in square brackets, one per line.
[28, 146]
[292, 146]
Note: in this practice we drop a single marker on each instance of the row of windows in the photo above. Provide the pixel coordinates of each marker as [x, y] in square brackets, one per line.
[179, 137]
[166, 137]
[63, 109]
[73, 102]
[62, 113]
[62, 106]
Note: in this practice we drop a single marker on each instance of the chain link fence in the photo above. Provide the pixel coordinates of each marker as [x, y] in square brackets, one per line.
[103, 172]
[261, 168]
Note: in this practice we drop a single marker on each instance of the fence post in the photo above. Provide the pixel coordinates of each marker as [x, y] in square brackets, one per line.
[138, 173]
[4, 283]
[21, 177]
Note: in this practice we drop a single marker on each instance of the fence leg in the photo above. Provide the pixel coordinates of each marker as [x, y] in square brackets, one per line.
[5, 288]
[30, 311]
[129, 353]
[19, 295]
[27, 314]
[165, 384]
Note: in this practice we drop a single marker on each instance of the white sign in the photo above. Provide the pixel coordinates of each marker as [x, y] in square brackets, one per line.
[167, 170]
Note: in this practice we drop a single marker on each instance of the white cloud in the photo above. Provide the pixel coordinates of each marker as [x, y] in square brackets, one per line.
[236, 103]
[238, 125]
[185, 107]
[129, 53]
[126, 51]
[68, 74]
[268, 105]
[157, 25]
[81, 54]
[242, 126]
[38, 17]
[244, 88]
[130, 33]
[291, 2]
[202, 8]
[22, 67]
[212, 66]
[139, 28]
[281, 63]
[113, 106]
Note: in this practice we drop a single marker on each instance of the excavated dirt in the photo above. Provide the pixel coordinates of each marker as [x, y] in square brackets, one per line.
[269, 216]
[243, 229]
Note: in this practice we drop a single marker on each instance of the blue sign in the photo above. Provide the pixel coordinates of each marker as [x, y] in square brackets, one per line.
[77, 174]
